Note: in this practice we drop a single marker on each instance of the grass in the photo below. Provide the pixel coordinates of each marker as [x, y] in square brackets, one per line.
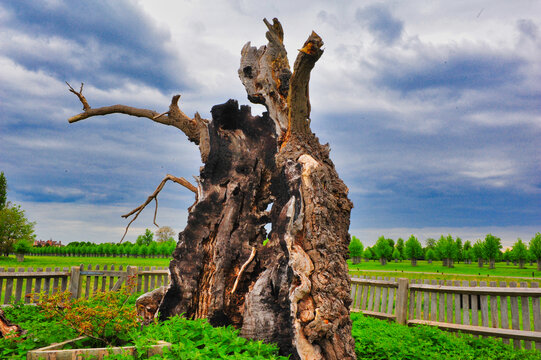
[461, 271]
[68, 261]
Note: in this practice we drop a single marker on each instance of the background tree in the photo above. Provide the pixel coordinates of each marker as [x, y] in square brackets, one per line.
[447, 250]
[367, 254]
[14, 226]
[507, 256]
[535, 249]
[383, 250]
[479, 251]
[145, 239]
[520, 253]
[430, 255]
[295, 290]
[430, 244]
[3, 190]
[22, 246]
[465, 251]
[413, 250]
[355, 249]
[492, 248]
[396, 255]
[164, 233]
[459, 249]
[400, 247]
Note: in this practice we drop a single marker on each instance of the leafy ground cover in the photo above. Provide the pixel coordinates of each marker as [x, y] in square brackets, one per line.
[380, 339]
[374, 339]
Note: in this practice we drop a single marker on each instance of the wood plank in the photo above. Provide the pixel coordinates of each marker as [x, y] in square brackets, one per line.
[47, 282]
[465, 305]
[536, 311]
[358, 296]
[494, 308]
[9, 288]
[457, 304]
[370, 297]
[153, 280]
[390, 300]
[147, 280]
[480, 290]
[384, 291]
[378, 315]
[449, 298]
[111, 279]
[441, 307]
[418, 303]
[433, 304]
[37, 284]
[28, 287]
[139, 278]
[474, 306]
[65, 279]
[515, 315]
[19, 287]
[56, 281]
[426, 303]
[1, 283]
[352, 294]
[364, 297]
[482, 330]
[411, 310]
[96, 281]
[504, 311]
[484, 306]
[104, 279]
[377, 299]
[525, 310]
[381, 283]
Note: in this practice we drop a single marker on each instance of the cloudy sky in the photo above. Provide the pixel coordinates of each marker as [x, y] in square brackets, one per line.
[432, 109]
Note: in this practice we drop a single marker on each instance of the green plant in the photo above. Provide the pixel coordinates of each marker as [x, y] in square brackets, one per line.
[104, 317]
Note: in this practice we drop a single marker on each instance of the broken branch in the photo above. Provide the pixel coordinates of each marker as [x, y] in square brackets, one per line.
[154, 196]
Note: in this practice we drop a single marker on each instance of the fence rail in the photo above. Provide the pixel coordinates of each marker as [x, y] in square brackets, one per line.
[509, 311]
[79, 280]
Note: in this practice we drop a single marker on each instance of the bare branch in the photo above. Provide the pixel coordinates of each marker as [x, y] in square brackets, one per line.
[154, 196]
[80, 96]
[195, 129]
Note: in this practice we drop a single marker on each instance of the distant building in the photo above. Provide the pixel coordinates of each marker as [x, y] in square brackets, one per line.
[50, 242]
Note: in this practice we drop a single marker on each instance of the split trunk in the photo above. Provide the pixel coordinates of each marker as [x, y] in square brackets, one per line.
[292, 289]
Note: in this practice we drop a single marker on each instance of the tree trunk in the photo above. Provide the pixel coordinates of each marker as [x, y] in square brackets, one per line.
[295, 290]
[492, 263]
[413, 262]
[538, 264]
[480, 263]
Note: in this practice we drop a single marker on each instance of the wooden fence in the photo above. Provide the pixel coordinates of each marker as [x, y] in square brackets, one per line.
[79, 280]
[508, 311]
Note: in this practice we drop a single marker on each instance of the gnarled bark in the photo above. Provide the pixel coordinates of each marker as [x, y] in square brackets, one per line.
[293, 289]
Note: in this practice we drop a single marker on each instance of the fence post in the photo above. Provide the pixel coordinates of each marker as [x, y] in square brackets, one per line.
[76, 282]
[402, 301]
[132, 274]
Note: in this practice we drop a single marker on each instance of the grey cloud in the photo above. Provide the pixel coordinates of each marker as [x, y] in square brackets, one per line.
[528, 28]
[102, 42]
[384, 26]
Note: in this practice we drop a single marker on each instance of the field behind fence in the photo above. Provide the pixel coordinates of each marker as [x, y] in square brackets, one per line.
[81, 281]
[510, 311]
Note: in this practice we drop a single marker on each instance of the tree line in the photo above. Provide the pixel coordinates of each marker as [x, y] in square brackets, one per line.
[448, 250]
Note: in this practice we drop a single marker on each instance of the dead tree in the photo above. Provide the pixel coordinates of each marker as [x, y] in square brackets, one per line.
[294, 289]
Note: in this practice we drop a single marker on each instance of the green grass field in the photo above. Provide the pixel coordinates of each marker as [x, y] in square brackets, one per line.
[61, 261]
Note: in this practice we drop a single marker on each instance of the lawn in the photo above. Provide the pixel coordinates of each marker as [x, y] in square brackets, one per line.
[461, 271]
[68, 261]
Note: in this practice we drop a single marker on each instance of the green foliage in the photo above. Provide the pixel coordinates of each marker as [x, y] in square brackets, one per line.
[145, 239]
[535, 246]
[383, 249]
[447, 248]
[379, 339]
[479, 249]
[164, 233]
[413, 249]
[367, 254]
[519, 252]
[40, 331]
[23, 246]
[106, 317]
[400, 247]
[492, 246]
[396, 254]
[355, 247]
[14, 226]
[430, 254]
